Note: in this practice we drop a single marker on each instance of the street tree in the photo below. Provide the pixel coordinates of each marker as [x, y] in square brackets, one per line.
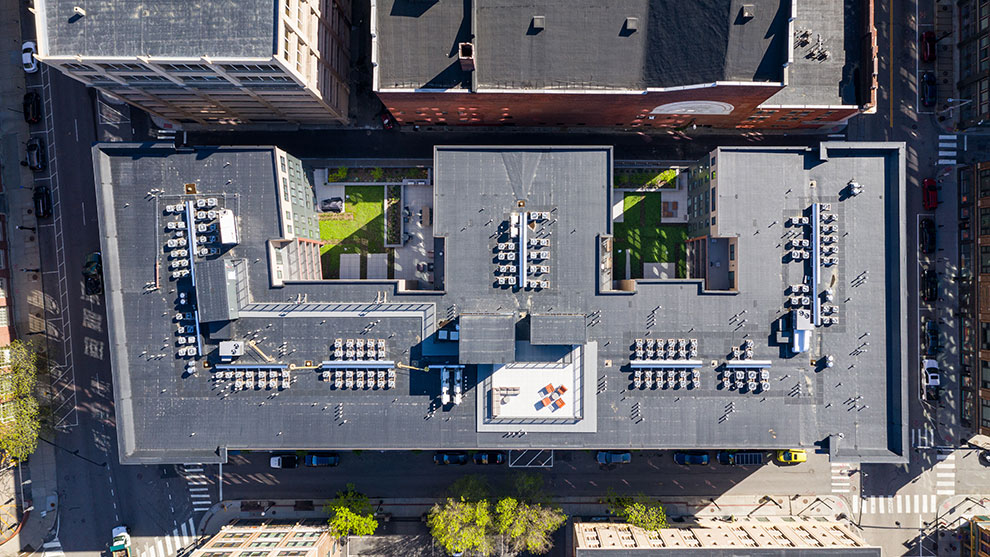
[351, 514]
[462, 526]
[525, 527]
[640, 511]
[20, 412]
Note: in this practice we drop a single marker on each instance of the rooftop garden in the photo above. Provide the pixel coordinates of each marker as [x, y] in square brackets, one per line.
[645, 239]
[359, 229]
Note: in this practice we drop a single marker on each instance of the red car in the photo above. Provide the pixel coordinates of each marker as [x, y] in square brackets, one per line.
[928, 46]
[929, 194]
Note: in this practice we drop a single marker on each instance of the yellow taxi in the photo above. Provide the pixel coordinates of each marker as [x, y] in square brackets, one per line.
[792, 456]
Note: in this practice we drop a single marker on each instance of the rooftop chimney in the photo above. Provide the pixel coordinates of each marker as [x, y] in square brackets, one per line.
[465, 54]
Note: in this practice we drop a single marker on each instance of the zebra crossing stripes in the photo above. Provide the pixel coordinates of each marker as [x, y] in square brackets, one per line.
[167, 546]
[945, 474]
[52, 548]
[198, 486]
[894, 504]
[840, 477]
[947, 150]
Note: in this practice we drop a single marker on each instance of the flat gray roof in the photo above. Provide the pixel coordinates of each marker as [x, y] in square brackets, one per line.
[584, 44]
[180, 28]
[487, 339]
[167, 415]
[558, 329]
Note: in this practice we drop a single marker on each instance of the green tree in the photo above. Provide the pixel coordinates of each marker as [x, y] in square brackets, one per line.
[471, 487]
[460, 526]
[337, 175]
[524, 527]
[20, 412]
[351, 514]
[377, 174]
[639, 511]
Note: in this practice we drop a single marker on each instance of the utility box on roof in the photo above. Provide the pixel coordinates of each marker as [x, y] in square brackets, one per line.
[228, 229]
[230, 349]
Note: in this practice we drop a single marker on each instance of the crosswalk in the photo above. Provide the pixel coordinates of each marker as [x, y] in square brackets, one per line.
[167, 546]
[52, 548]
[945, 474]
[947, 150]
[841, 477]
[923, 437]
[894, 504]
[199, 487]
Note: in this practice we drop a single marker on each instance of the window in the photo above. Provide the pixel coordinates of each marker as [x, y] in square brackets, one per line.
[984, 259]
[264, 544]
[3, 260]
[272, 535]
[984, 183]
[4, 317]
[985, 412]
[984, 374]
[307, 534]
[984, 336]
[236, 535]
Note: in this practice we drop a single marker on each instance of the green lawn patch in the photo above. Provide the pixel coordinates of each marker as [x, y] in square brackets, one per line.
[359, 229]
[645, 239]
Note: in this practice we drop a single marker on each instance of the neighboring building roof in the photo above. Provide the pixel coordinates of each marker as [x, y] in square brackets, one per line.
[177, 28]
[165, 415]
[815, 80]
[487, 339]
[558, 329]
[584, 44]
[216, 289]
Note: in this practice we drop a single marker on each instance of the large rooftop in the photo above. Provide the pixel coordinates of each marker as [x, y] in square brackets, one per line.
[166, 414]
[176, 28]
[584, 44]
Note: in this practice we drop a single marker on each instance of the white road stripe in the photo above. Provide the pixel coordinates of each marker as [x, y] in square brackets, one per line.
[199, 489]
[917, 506]
[185, 534]
[168, 545]
[924, 504]
[873, 505]
[898, 504]
[946, 492]
[856, 504]
[199, 495]
[946, 136]
[158, 544]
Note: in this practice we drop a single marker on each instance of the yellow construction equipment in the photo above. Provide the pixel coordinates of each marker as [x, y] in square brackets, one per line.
[401, 365]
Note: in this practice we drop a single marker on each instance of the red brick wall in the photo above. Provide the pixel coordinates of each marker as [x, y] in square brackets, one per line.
[598, 110]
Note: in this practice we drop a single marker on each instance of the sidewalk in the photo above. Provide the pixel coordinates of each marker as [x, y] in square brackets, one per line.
[36, 479]
[738, 506]
[953, 515]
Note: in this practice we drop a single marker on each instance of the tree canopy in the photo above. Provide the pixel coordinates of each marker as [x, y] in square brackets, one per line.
[639, 511]
[20, 412]
[469, 521]
[351, 514]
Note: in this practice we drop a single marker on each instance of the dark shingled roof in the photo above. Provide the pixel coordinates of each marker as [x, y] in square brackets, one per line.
[244, 28]
[585, 44]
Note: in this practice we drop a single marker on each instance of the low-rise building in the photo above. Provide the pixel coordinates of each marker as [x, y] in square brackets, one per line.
[271, 538]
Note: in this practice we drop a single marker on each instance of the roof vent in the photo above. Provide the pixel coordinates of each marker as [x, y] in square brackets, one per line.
[632, 24]
[465, 54]
[539, 22]
[78, 11]
[748, 11]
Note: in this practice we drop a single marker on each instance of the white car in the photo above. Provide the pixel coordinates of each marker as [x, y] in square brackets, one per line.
[28, 50]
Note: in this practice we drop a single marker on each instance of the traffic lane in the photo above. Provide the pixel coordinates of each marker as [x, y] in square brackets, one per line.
[575, 473]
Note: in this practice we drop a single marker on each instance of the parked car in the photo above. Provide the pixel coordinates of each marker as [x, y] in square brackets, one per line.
[489, 457]
[388, 122]
[931, 338]
[792, 456]
[450, 458]
[93, 274]
[37, 159]
[741, 458]
[985, 457]
[929, 194]
[929, 89]
[689, 459]
[611, 457]
[28, 50]
[32, 107]
[42, 202]
[926, 236]
[321, 459]
[928, 46]
[929, 286]
[284, 461]
[931, 380]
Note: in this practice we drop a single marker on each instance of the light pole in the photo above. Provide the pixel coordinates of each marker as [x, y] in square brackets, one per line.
[951, 100]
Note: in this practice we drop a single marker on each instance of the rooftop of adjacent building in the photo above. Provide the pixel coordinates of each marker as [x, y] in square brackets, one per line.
[173, 28]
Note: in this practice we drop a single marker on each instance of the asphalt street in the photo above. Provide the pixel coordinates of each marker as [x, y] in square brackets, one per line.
[96, 493]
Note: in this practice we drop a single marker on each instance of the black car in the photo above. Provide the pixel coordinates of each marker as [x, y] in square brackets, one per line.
[37, 159]
[42, 202]
[985, 457]
[490, 457]
[929, 286]
[450, 458]
[931, 338]
[929, 89]
[926, 236]
[93, 274]
[32, 107]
